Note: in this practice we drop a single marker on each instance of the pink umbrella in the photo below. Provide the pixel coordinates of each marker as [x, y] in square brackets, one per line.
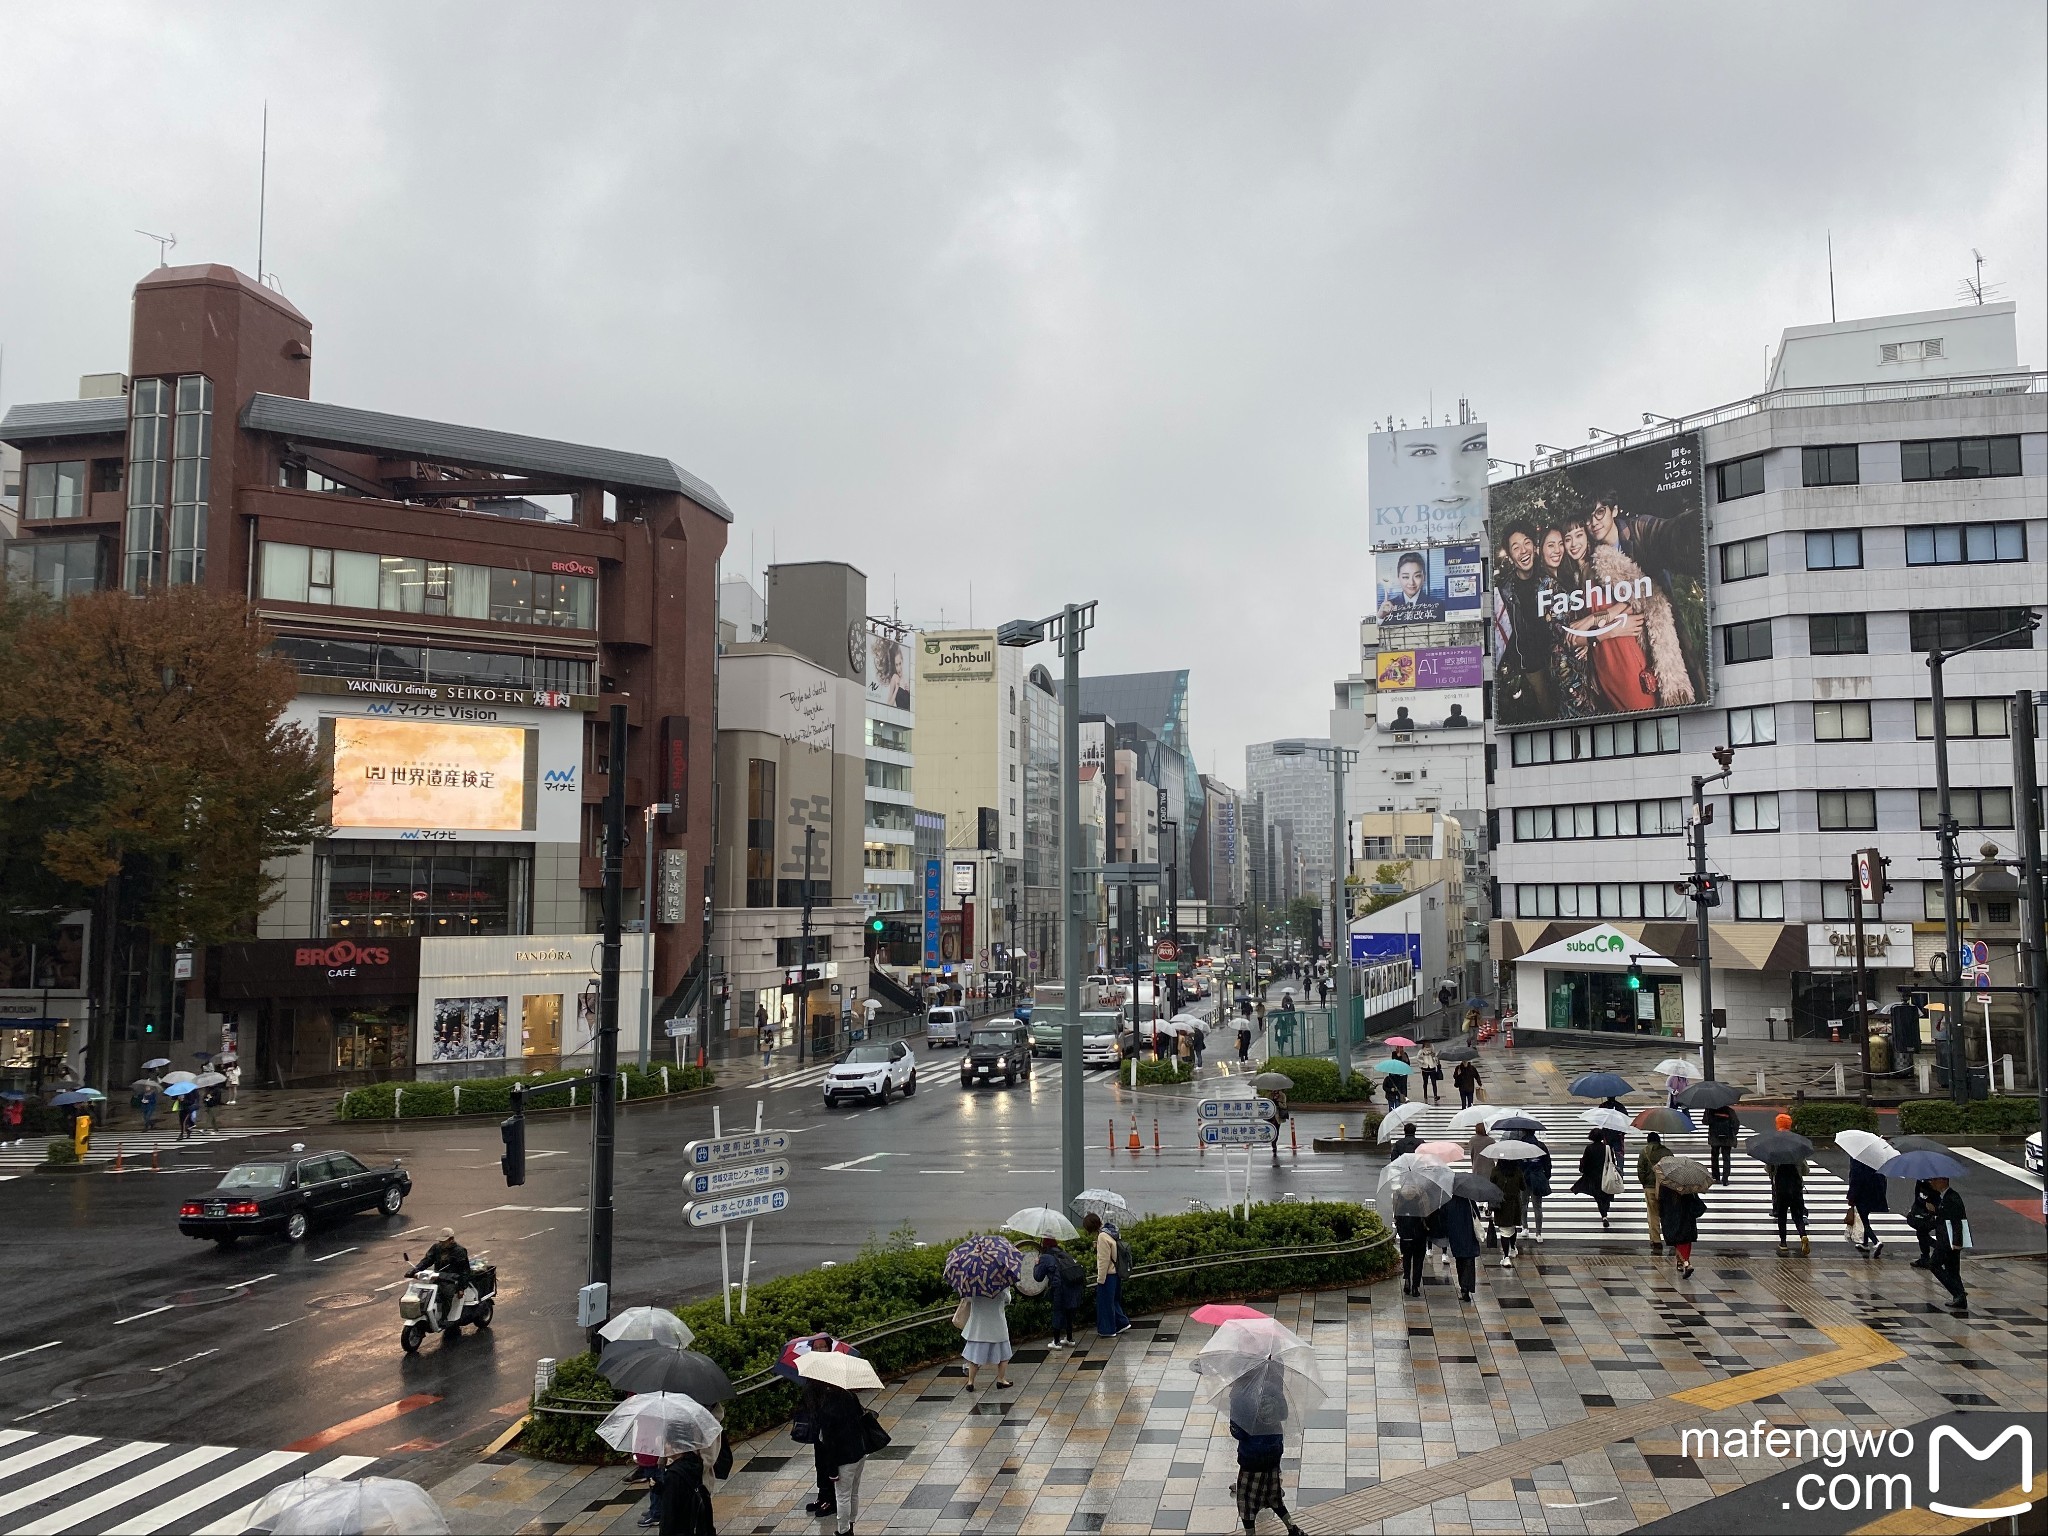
[1400, 1040]
[1227, 1312]
[1445, 1152]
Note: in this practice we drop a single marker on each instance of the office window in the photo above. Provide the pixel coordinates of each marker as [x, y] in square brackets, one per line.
[1603, 819]
[1842, 721]
[149, 477]
[1376, 848]
[1971, 808]
[1835, 905]
[1835, 464]
[1739, 478]
[761, 832]
[191, 479]
[1966, 544]
[1959, 458]
[58, 568]
[1745, 558]
[1754, 813]
[1626, 899]
[1966, 717]
[1837, 634]
[1949, 629]
[1838, 549]
[1746, 642]
[56, 490]
[1621, 738]
[1759, 901]
[1756, 726]
[1415, 847]
[1846, 810]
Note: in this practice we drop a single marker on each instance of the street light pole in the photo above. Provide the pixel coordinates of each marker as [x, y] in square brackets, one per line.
[2026, 785]
[604, 1089]
[1703, 939]
[647, 931]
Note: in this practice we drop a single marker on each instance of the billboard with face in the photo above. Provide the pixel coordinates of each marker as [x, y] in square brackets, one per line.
[1429, 586]
[1431, 709]
[1600, 581]
[890, 672]
[1427, 485]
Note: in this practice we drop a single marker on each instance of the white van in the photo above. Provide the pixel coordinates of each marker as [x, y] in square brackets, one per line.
[944, 1025]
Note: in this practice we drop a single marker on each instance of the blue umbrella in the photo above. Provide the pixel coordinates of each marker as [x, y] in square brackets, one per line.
[1397, 1068]
[65, 1100]
[1923, 1165]
[1477, 1002]
[12, 1093]
[983, 1266]
[1601, 1085]
[179, 1090]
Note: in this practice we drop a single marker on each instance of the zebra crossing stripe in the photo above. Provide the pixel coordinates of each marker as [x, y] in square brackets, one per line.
[124, 1492]
[339, 1467]
[170, 1514]
[36, 1455]
[71, 1477]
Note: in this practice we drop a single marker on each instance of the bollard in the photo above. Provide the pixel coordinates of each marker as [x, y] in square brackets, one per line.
[1340, 1130]
[1759, 1082]
[152, 1160]
[1841, 1084]
[1293, 1142]
[1926, 1070]
[664, 1080]
[121, 1146]
[1112, 1133]
[2007, 1059]
[625, 1087]
[1155, 1134]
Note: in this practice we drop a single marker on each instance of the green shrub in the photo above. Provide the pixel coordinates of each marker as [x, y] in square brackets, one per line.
[1818, 1119]
[1315, 1081]
[493, 1095]
[1154, 1072]
[60, 1152]
[1980, 1117]
[1930, 1117]
[894, 1280]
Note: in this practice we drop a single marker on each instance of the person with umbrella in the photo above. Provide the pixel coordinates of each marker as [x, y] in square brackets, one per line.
[1868, 1195]
[1467, 1081]
[146, 1100]
[1599, 1167]
[1408, 1141]
[1461, 1229]
[1244, 1037]
[1654, 1152]
[188, 1111]
[1535, 1178]
[209, 1098]
[1411, 1230]
[1788, 1185]
[843, 1427]
[985, 1336]
[1270, 1376]
[1721, 1133]
[1510, 1177]
[1680, 1207]
[1940, 1213]
[1065, 1283]
[1109, 1279]
[1258, 1414]
[1431, 1066]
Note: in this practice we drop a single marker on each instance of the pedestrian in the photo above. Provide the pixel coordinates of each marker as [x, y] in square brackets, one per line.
[647, 1475]
[1867, 1194]
[1678, 1215]
[1654, 1152]
[1471, 1022]
[681, 1495]
[1432, 1070]
[838, 1420]
[1509, 1212]
[985, 1335]
[1721, 1128]
[1535, 1184]
[1467, 1081]
[1390, 1085]
[1461, 1235]
[1244, 1043]
[765, 1031]
[1064, 1286]
[211, 1098]
[1410, 1140]
[1411, 1228]
[1258, 1415]
[232, 1071]
[188, 1115]
[1788, 1200]
[1923, 1191]
[1111, 1267]
[1323, 992]
[1200, 1041]
[1942, 1215]
[1482, 1166]
[147, 1102]
[1599, 1174]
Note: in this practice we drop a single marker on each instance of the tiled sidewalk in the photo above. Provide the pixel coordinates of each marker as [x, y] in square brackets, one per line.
[1554, 1404]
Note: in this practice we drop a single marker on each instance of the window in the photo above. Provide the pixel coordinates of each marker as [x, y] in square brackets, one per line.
[149, 472]
[1966, 544]
[1949, 629]
[1909, 351]
[1739, 478]
[1970, 807]
[106, 474]
[888, 776]
[1415, 847]
[1756, 726]
[1837, 634]
[1834, 902]
[1627, 899]
[191, 478]
[890, 738]
[1013, 773]
[1745, 558]
[348, 578]
[1754, 813]
[1846, 810]
[1746, 642]
[1835, 550]
[761, 832]
[1832, 465]
[1608, 818]
[56, 490]
[1966, 717]
[396, 890]
[1376, 848]
[1959, 458]
[1846, 721]
[1759, 901]
[1621, 738]
[57, 568]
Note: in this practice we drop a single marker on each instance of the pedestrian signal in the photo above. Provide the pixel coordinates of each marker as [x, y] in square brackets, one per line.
[513, 1130]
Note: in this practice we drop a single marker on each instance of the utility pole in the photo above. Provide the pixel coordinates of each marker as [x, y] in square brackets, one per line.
[1705, 894]
[2026, 785]
[803, 996]
[603, 1133]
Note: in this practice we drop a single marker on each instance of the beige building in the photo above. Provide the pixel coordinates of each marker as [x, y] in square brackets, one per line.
[1428, 849]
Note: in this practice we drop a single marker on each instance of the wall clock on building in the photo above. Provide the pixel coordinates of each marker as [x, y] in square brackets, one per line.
[857, 647]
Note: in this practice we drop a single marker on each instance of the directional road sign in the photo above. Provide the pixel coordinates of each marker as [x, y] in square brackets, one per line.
[1236, 1109]
[1239, 1133]
[733, 1177]
[734, 1149]
[761, 1202]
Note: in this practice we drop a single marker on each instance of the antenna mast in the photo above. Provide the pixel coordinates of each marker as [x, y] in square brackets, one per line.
[1976, 290]
[262, 192]
[165, 244]
[1831, 277]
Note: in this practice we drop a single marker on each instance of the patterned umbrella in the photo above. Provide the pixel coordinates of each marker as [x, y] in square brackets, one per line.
[1600, 1085]
[1683, 1173]
[794, 1351]
[983, 1266]
[1106, 1203]
[1709, 1095]
[1666, 1122]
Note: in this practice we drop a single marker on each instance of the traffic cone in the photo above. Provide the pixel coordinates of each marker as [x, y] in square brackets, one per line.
[1135, 1144]
[119, 1148]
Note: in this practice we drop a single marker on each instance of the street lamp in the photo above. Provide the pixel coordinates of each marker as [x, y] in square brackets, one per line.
[1069, 630]
[1651, 418]
[1704, 895]
[1515, 464]
[647, 816]
[1594, 434]
[1339, 758]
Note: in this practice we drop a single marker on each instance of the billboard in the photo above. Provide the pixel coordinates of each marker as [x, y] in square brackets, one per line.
[889, 669]
[1429, 586]
[1600, 587]
[1427, 485]
[1452, 666]
[961, 656]
[429, 774]
[1431, 709]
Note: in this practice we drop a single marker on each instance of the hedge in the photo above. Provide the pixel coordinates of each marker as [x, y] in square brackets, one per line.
[61, 1152]
[1979, 1117]
[894, 1282]
[1315, 1081]
[493, 1095]
[1818, 1119]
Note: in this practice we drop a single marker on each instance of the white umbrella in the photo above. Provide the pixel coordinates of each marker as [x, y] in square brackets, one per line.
[1605, 1119]
[656, 1323]
[180, 1077]
[1866, 1147]
[661, 1424]
[1041, 1221]
[1394, 1119]
[1498, 1112]
[1515, 1151]
[208, 1080]
[1413, 1185]
[1466, 1119]
[837, 1370]
[1268, 1372]
[1106, 1203]
[156, 1061]
[1678, 1066]
[363, 1506]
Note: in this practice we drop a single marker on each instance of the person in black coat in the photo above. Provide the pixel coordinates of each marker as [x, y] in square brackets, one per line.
[1867, 1196]
[1942, 1214]
[835, 1415]
[1593, 1165]
[1535, 1184]
[1065, 1287]
[1788, 1203]
[681, 1497]
[1680, 1211]
[1922, 1191]
[1461, 1231]
[1721, 1128]
[1412, 1229]
[1408, 1141]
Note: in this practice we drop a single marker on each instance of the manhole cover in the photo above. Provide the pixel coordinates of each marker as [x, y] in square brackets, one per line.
[132, 1382]
[343, 1301]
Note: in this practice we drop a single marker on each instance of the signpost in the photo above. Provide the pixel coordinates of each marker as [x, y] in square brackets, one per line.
[761, 1202]
[730, 1149]
[1239, 1133]
[725, 1181]
[1232, 1111]
[728, 1165]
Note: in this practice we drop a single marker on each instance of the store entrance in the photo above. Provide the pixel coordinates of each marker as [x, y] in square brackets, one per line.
[1604, 1001]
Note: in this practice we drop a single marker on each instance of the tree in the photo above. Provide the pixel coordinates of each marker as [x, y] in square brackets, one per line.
[1301, 916]
[1387, 874]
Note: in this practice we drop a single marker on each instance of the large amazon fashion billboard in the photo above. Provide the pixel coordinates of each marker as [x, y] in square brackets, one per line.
[1600, 587]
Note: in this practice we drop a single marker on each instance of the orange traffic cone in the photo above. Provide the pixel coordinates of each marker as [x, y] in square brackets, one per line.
[1135, 1144]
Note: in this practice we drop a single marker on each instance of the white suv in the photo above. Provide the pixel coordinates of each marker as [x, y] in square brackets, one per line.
[944, 1025]
[871, 1072]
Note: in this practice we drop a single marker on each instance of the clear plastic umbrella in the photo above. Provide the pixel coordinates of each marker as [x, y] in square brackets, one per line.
[1445, 1152]
[1106, 1203]
[1394, 1119]
[208, 1080]
[1413, 1185]
[1678, 1066]
[1041, 1221]
[1466, 1119]
[363, 1506]
[657, 1323]
[1515, 1152]
[1866, 1147]
[1605, 1119]
[180, 1077]
[1267, 1372]
[660, 1424]
[156, 1061]
[1273, 1082]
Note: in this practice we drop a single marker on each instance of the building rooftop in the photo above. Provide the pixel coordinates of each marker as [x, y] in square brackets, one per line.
[42, 421]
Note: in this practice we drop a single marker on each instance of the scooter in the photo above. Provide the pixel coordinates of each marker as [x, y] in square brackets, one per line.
[474, 1305]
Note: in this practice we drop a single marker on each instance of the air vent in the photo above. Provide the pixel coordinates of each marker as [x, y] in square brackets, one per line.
[1909, 351]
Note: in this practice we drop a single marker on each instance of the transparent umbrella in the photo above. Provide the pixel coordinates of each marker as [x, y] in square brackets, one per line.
[656, 1323]
[1267, 1372]
[1394, 1119]
[660, 1424]
[1445, 1152]
[1041, 1221]
[1515, 1152]
[1678, 1066]
[1106, 1203]
[1605, 1119]
[363, 1506]
[1413, 1185]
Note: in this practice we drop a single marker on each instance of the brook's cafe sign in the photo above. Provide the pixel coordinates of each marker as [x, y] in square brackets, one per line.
[1886, 946]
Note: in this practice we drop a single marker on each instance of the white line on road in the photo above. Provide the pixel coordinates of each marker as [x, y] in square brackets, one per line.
[542, 1231]
[380, 1290]
[239, 1284]
[46, 1408]
[36, 1351]
[1998, 1165]
[158, 1370]
[334, 1255]
[851, 1164]
[943, 1170]
[285, 1324]
[1031, 1170]
[138, 1317]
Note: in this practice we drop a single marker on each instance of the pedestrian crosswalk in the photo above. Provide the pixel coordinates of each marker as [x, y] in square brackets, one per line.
[1737, 1212]
[133, 1148]
[56, 1484]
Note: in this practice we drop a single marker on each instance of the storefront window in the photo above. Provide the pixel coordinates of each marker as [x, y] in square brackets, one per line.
[1603, 1000]
[391, 891]
[375, 1040]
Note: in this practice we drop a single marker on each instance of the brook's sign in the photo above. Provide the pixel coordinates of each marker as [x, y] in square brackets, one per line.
[267, 968]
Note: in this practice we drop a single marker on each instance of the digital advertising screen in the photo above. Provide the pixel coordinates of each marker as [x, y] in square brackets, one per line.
[1427, 485]
[429, 774]
[1435, 709]
[1429, 586]
[1451, 666]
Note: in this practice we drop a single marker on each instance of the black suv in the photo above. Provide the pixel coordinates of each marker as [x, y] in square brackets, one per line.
[998, 1049]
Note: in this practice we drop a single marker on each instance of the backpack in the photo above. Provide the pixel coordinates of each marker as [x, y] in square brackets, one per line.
[1123, 1258]
[1068, 1268]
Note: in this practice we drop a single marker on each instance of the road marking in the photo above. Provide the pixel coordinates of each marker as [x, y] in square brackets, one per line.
[334, 1255]
[536, 1234]
[239, 1284]
[363, 1421]
[72, 1515]
[1998, 1165]
[380, 1290]
[1587, 1504]
[943, 1170]
[1031, 1170]
[46, 1408]
[285, 1324]
[853, 1163]
[409, 1231]
[71, 1477]
[138, 1317]
[36, 1351]
[158, 1370]
[209, 1492]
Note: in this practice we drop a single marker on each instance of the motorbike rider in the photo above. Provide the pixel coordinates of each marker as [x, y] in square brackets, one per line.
[450, 1262]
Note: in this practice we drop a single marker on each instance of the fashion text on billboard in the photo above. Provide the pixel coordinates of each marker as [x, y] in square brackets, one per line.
[1600, 581]
[1427, 485]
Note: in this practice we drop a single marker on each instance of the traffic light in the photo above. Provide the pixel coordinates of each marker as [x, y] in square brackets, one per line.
[1635, 977]
[1710, 890]
[513, 1130]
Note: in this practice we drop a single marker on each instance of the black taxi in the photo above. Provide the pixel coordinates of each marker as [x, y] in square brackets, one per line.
[286, 1192]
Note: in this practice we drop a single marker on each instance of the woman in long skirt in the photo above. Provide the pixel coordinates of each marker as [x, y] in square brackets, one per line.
[987, 1336]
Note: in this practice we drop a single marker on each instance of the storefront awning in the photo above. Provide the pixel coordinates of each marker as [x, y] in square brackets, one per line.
[1769, 948]
[1602, 947]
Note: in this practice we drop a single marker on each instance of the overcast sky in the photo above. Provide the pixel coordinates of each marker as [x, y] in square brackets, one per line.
[1040, 302]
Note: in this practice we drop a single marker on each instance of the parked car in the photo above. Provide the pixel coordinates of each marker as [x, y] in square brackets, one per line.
[2030, 1154]
[944, 1025]
[286, 1194]
[871, 1072]
[997, 1050]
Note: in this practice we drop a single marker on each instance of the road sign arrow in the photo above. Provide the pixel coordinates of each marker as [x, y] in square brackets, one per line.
[1252, 1133]
[731, 1178]
[761, 1202]
[734, 1149]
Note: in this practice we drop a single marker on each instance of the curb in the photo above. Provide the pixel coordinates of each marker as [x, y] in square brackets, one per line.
[543, 1109]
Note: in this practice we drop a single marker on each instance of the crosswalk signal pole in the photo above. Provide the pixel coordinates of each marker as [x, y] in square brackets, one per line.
[1702, 890]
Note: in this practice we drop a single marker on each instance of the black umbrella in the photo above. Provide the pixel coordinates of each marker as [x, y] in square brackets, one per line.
[1455, 1053]
[1778, 1148]
[649, 1365]
[1709, 1095]
[1470, 1186]
[1918, 1144]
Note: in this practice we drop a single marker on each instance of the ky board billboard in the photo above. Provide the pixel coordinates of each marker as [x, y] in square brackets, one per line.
[1451, 666]
[1427, 485]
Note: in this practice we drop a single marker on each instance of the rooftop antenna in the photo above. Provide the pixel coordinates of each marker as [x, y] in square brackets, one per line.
[262, 191]
[165, 244]
[1976, 290]
[1831, 277]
